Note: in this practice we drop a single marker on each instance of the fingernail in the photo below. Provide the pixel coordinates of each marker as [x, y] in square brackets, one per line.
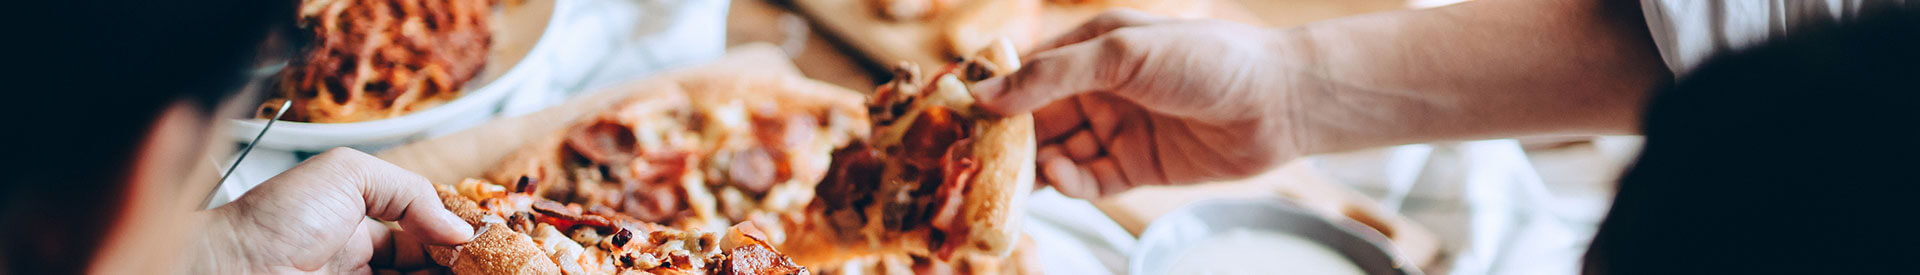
[454, 221]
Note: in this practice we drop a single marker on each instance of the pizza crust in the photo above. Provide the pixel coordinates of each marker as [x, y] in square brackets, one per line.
[496, 251]
[1004, 148]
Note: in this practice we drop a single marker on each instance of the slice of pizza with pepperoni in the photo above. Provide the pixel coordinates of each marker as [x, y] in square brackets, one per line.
[518, 233]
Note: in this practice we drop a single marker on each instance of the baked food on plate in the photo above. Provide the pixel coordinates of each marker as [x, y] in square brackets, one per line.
[375, 59]
[939, 177]
[518, 233]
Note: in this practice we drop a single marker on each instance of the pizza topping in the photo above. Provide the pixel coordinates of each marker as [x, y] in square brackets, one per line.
[749, 253]
[606, 244]
[758, 259]
[932, 132]
[604, 141]
[957, 173]
[784, 131]
[621, 237]
[652, 203]
[753, 170]
[893, 99]
[524, 185]
[854, 173]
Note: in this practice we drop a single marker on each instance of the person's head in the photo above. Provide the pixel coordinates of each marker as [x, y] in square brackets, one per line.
[1796, 156]
[112, 108]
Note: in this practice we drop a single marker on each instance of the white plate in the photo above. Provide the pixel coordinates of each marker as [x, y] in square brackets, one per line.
[517, 33]
[1173, 234]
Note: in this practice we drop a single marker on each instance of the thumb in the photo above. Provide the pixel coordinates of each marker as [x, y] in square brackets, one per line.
[394, 194]
[1099, 64]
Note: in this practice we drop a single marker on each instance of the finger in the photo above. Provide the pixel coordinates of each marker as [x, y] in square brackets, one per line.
[383, 244]
[1099, 25]
[395, 194]
[1056, 120]
[1046, 152]
[1101, 64]
[353, 258]
[1106, 173]
[1081, 146]
[1068, 178]
[406, 253]
[1134, 152]
[1104, 114]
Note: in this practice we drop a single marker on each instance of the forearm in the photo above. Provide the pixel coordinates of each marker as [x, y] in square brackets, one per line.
[1492, 68]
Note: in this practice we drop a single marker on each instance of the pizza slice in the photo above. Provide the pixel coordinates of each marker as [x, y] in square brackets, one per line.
[939, 177]
[522, 234]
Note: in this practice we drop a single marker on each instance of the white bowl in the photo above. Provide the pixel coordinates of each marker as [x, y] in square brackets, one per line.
[1174, 234]
[517, 34]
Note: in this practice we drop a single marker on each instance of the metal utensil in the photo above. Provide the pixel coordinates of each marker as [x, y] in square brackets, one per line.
[245, 150]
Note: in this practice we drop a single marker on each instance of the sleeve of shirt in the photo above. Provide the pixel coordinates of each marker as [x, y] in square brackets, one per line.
[1689, 31]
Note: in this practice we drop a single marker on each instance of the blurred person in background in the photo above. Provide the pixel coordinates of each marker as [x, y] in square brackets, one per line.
[113, 125]
[1781, 147]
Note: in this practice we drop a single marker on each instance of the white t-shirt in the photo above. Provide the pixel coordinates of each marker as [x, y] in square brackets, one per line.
[1689, 31]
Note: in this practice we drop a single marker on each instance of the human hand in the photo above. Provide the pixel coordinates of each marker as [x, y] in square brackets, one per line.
[324, 215]
[1131, 99]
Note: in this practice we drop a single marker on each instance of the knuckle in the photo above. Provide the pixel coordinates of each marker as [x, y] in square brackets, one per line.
[1118, 18]
[1126, 41]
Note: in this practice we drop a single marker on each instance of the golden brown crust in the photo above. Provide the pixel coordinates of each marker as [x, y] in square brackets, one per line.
[496, 251]
[1004, 149]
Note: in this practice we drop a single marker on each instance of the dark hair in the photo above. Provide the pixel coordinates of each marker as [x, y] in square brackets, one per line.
[1797, 156]
[91, 78]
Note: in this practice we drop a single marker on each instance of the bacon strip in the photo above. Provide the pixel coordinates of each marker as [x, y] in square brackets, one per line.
[957, 175]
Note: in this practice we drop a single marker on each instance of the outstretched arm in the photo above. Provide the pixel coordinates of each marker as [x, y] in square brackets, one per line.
[1131, 99]
[1481, 69]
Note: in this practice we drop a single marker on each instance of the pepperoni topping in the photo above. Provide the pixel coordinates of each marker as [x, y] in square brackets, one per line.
[754, 170]
[604, 141]
[783, 131]
[652, 203]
